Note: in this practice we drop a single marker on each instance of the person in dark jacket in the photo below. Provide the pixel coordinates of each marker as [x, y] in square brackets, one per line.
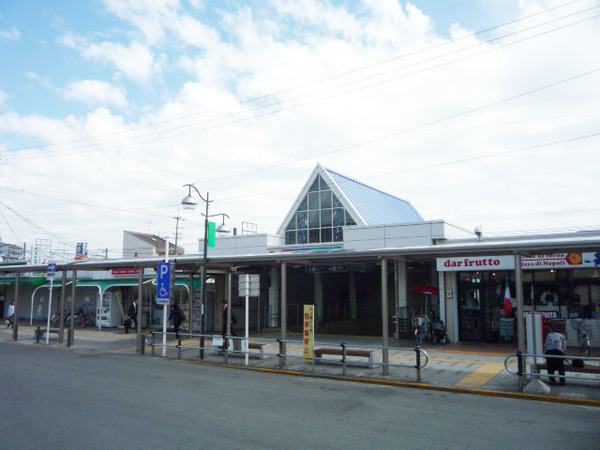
[555, 345]
[131, 316]
[176, 316]
[232, 322]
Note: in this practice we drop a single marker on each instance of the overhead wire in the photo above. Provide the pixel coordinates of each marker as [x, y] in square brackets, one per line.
[147, 137]
[309, 83]
[411, 129]
[454, 162]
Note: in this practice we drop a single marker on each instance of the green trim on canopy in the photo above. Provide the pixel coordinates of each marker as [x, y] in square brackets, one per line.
[23, 281]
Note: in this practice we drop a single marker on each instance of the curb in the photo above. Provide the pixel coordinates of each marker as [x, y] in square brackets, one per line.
[406, 384]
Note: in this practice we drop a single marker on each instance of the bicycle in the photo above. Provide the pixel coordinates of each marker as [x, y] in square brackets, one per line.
[83, 319]
[55, 319]
[421, 331]
[583, 337]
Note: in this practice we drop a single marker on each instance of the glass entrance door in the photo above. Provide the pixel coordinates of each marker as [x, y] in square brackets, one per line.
[480, 305]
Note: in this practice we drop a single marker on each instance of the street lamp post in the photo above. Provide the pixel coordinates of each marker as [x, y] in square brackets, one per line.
[190, 203]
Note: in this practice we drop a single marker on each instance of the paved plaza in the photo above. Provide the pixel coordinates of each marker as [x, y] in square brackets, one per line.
[458, 367]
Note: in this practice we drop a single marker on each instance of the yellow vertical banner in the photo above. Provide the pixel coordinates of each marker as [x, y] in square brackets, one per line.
[309, 333]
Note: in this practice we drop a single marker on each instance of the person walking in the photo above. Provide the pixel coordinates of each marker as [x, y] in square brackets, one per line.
[227, 318]
[555, 344]
[11, 315]
[131, 316]
[176, 316]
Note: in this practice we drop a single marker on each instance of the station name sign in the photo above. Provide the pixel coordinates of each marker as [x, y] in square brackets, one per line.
[507, 262]
[326, 269]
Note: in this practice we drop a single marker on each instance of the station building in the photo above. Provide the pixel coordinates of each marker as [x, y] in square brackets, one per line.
[370, 263]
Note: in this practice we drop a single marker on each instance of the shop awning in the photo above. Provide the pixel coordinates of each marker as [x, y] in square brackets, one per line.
[426, 290]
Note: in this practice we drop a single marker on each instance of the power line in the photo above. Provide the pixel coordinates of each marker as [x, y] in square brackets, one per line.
[146, 137]
[411, 129]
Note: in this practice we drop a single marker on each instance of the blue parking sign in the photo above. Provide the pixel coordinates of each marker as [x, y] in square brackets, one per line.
[163, 285]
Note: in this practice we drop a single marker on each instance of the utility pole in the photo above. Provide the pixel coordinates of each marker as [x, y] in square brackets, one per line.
[177, 219]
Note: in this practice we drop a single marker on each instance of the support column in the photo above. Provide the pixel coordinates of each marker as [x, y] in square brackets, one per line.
[15, 331]
[138, 341]
[318, 294]
[283, 315]
[402, 284]
[442, 297]
[71, 333]
[384, 316]
[274, 298]
[353, 297]
[61, 307]
[190, 303]
[520, 315]
[228, 284]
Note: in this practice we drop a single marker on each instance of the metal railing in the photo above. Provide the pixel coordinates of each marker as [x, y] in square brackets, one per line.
[345, 351]
[591, 372]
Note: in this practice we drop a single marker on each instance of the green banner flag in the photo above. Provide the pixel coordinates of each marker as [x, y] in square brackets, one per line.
[212, 234]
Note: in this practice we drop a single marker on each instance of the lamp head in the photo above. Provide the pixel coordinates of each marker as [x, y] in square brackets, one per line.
[223, 228]
[188, 201]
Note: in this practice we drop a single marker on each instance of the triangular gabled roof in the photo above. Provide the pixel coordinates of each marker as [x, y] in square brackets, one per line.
[375, 207]
[365, 204]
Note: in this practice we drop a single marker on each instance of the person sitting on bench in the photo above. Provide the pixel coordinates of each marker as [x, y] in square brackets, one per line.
[555, 344]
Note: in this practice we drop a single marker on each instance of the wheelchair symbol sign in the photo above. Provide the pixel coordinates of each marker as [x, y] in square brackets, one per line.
[163, 285]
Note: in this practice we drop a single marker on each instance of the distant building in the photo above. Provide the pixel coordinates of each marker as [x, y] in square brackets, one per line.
[144, 245]
[10, 252]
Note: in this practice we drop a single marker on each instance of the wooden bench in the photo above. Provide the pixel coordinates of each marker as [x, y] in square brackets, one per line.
[569, 368]
[39, 333]
[260, 346]
[319, 352]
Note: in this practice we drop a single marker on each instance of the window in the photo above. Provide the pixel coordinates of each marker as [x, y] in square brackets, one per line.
[319, 218]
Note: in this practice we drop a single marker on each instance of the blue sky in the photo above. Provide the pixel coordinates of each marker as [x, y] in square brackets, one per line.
[107, 107]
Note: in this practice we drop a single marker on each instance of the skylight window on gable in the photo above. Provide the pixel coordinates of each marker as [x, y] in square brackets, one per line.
[319, 217]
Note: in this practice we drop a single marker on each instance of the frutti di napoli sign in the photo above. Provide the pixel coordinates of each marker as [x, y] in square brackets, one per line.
[507, 262]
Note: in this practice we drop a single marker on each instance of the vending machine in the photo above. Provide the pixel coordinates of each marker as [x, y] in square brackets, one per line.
[109, 314]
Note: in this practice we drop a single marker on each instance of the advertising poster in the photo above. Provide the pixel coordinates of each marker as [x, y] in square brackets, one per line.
[309, 333]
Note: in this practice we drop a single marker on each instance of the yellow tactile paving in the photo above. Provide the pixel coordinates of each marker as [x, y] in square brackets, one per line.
[481, 375]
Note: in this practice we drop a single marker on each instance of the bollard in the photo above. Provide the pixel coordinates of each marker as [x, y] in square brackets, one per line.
[143, 346]
[520, 370]
[418, 365]
[153, 342]
[179, 348]
[343, 344]
[280, 353]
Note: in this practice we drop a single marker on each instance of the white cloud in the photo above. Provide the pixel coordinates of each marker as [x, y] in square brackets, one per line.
[12, 35]
[95, 92]
[136, 61]
[150, 17]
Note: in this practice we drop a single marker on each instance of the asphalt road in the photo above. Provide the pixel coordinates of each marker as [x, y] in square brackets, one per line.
[55, 398]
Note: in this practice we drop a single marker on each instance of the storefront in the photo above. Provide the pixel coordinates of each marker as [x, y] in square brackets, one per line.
[563, 286]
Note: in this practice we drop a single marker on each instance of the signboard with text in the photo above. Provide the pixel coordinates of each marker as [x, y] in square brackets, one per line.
[163, 283]
[249, 285]
[308, 337]
[507, 262]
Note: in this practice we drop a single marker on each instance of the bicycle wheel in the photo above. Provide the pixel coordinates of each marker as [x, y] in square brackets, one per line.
[79, 321]
[55, 319]
[418, 338]
[587, 347]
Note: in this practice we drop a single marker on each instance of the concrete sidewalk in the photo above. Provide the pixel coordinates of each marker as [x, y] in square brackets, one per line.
[454, 367]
